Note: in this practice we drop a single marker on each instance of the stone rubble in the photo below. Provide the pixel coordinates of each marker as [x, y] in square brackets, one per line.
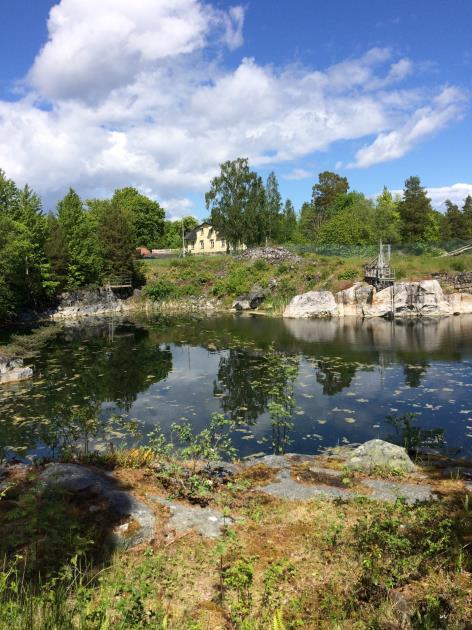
[272, 255]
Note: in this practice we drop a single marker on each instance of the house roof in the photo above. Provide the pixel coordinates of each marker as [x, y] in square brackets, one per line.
[192, 235]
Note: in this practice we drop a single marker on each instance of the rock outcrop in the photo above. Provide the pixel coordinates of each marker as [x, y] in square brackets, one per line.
[79, 479]
[409, 299]
[378, 454]
[312, 304]
[12, 370]
[249, 301]
[85, 303]
[405, 299]
[351, 301]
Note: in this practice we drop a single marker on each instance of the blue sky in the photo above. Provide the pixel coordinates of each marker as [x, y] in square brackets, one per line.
[156, 93]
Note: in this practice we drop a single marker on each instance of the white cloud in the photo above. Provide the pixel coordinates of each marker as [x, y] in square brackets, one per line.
[95, 47]
[137, 93]
[423, 122]
[298, 173]
[438, 195]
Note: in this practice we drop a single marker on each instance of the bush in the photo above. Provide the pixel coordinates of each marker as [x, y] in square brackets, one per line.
[260, 265]
[348, 274]
[458, 265]
[160, 290]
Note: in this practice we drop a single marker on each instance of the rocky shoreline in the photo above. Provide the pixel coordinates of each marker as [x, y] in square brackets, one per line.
[406, 299]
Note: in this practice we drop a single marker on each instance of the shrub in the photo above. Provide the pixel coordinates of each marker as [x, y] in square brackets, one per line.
[348, 274]
[260, 265]
[160, 290]
[458, 265]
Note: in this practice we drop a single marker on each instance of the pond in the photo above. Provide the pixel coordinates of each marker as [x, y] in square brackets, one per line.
[342, 382]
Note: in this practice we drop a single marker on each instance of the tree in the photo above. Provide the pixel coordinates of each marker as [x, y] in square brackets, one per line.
[79, 233]
[117, 245]
[146, 216]
[288, 223]
[387, 218]
[55, 249]
[415, 212]
[329, 187]
[273, 208]
[467, 214]
[8, 196]
[308, 222]
[353, 223]
[453, 222]
[15, 250]
[236, 200]
[171, 237]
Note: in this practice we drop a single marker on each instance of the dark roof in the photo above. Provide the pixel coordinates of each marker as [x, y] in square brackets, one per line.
[192, 235]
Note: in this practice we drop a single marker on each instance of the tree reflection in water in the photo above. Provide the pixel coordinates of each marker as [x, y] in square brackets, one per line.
[250, 383]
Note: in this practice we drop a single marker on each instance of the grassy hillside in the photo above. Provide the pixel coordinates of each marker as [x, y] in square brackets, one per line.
[226, 277]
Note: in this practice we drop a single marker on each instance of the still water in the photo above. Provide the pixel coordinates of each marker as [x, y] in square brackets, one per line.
[349, 379]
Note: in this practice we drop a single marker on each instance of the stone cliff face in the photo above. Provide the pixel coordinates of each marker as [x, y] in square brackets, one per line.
[405, 299]
[85, 303]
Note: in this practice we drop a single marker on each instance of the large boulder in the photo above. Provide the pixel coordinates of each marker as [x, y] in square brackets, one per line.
[378, 454]
[312, 304]
[409, 299]
[351, 301]
[13, 370]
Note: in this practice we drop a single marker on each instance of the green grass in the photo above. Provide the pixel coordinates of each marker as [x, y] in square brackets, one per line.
[225, 277]
[282, 564]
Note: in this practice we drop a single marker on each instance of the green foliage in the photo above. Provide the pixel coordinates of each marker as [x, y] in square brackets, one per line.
[349, 274]
[146, 217]
[387, 218]
[160, 290]
[238, 578]
[237, 203]
[80, 240]
[416, 213]
[399, 546]
[352, 222]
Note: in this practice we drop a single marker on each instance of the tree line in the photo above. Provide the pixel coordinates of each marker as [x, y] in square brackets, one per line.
[84, 242]
[81, 244]
[246, 210]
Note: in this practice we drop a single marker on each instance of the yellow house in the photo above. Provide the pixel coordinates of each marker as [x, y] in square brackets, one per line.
[204, 239]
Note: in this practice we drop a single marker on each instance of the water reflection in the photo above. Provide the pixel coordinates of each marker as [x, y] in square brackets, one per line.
[350, 375]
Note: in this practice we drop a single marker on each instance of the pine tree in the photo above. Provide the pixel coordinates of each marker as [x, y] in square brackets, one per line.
[467, 214]
[454, 221]
[81, 241]
[415, 212]
[116, 238]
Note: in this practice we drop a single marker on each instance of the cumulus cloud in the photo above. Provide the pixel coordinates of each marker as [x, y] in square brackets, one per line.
[137, 93]
[423, 122]
[94, 47]
[438, 195]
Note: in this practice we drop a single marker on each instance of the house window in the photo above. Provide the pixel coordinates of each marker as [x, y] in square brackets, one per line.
[201, 231]
[222, 242]
[212, 244]
[202, 245]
